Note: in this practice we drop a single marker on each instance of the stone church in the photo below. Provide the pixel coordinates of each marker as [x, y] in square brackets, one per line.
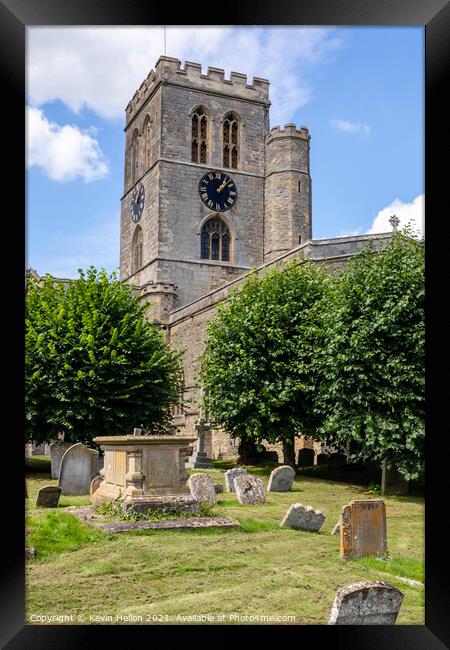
[211, 192]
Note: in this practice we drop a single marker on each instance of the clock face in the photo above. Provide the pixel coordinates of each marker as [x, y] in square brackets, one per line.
[137, 202]
[217, 191]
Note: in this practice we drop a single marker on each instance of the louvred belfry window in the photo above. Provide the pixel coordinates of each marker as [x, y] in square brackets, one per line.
[199, 136]
[136, 250]
[215, 240]
[230, 141]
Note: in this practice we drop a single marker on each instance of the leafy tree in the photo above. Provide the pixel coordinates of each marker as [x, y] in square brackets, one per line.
[372, 365]
[258, 370]
[94, 366]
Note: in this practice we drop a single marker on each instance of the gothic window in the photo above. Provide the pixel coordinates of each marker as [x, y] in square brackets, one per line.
[215, 240]
[134, 157]
[231, 141]
[147, 142]
[199, 136]
[136, 250]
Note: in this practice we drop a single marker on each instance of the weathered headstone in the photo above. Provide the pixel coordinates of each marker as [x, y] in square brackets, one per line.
[335, 530]
[78, 468]
[48, 496]
[57, 451]
[230, 476]
[300, 517]
[305, 457]
[322, 459]
[366, 603]
[249, 490]
[362, 525]
[281, 479]
[392, 482]
[337, 460]
[95, 484]
[202, 488]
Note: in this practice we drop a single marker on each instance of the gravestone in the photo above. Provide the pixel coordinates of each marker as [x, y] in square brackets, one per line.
[57, 451]
[337, 460]
[362, 528]
[230, 476]
[199, 459]
[335, 530]
[305, 457]
[249, 490]
[78, 468]
[300, 517]
[322, 459]
[281, 479]
[202, 488]
[366, 603]
[392, 482]
[48, 496]
[218, 488]
[95, 484]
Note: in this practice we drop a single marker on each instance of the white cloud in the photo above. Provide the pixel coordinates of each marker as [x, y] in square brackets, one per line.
[62, 152]
[350, 127]
[101, 67]
[413, 212]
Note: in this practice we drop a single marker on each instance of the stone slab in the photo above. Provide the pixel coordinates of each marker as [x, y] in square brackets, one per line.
[48, 496]
[281, 479]
[230, 476]
[249, 490]
[202, 488]
[362, 528]
[300, 517]
[366, 603]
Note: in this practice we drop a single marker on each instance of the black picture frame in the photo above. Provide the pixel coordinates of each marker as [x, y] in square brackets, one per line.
[434, 15]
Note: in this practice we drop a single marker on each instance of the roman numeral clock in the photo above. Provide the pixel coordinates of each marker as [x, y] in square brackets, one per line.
[217, 191]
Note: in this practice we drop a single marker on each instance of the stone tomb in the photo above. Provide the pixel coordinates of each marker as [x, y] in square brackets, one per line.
[362, 528]
[230, 476]
[281, 479]
[78, 468]
[366, 603]
[249, 490]
[202, 488]
[48, 496]
[147, 471]
[300, 517]
[57, 451]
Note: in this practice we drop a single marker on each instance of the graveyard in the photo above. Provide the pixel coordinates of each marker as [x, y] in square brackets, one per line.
[257, 567]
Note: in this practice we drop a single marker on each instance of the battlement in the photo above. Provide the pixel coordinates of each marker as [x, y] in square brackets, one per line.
[290, 130]
[168, 70]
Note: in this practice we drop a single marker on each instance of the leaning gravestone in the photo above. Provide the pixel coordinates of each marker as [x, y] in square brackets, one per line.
[300, 517]
[57, 451]
[249, 490]
[230, 476]
[362, 528]
[95, 484]
[281, 479]
[335, 530]
[305, 457]
[78, 468]
[48, 496]
[202, 488]
[366, 603]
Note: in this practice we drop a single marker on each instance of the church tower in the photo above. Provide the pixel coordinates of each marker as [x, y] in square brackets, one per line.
[192, 213]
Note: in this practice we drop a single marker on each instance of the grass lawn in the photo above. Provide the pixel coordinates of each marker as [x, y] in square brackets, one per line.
[259, 569]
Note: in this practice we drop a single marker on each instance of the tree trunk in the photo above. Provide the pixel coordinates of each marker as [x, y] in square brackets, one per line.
[289, 452]
[247, 451]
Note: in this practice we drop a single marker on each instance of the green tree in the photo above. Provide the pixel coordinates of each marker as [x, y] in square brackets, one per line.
[94, 365]
[372, 364]
[258, 370]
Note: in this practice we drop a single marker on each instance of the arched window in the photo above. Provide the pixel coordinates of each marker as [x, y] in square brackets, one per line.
[215, 240]
[231, 141]
[199, 135]
[147, 142]
[134, 157]
[136, 250]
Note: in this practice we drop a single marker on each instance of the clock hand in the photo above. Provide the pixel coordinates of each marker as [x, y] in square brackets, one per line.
[219, 189]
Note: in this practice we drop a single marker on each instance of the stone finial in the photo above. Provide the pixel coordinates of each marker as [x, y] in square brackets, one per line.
[394, 221]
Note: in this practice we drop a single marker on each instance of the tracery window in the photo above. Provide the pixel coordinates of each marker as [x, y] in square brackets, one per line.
[134, 157]
[215, 240]
[230, 141]
[136, 250]
[147, 142]
[199, 135]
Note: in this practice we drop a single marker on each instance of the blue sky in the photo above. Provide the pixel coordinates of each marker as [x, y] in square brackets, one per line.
[359, 91]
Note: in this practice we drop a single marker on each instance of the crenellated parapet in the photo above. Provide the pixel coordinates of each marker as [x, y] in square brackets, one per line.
[169, 70]
[290, 131]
